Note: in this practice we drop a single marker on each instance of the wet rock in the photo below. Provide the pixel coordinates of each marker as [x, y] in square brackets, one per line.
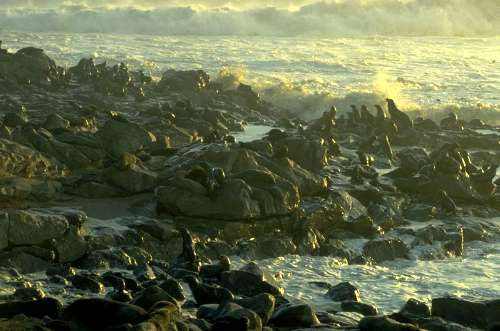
[120, 296]
[23, 323]
[214, 270]
[4, 230]
[103, 313]
[263, 304]
[247, 283]
[174, 289]
[28, 293]
[148, 297]
[382, 323]
[30, 65]
[309, 154]
[344, 291]
[86, 283]
[437, 323]
[294, 315]
[162, 317]
[144, 273]
[14, 119]
[192, 80]
[472, 314]
[33, 308]
[413, 307]
[230, 316]
[205, 293]
[386, 250]
[55, 121]
[306, 241]
[133, 179]
[359, 307]
[65, 271]
[23, 262]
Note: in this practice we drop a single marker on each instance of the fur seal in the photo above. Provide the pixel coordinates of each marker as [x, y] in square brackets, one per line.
[402, 120]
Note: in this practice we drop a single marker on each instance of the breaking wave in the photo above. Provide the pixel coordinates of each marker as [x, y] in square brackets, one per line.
[262, 18]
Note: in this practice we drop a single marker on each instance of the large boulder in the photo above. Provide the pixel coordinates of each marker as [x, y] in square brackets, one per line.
[133, 179]
[190, 80]
[22, 161]
[386, 250]
[33, 227]
[29, 65]
[120, 136]
[193, 201]
[468, 313]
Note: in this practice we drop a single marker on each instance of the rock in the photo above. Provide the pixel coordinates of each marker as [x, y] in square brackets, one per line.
[472, 314]
[248, 284]
[150, 296]
[173, 288]
[56, 121]
[263, 304]
[437, 323]
[359, 307]
[413, 307]
[4, 230]
[14, 119]
[235, 193]
[28, 293]
[344, 292]
[382, 323]
[162, 317]
[33, 308]
[102, 313]
[134, 179]
[23, 262]
[144, 273]
[62, 270]
[191, 80]
[70, 247]
[386, 250]
[230, 316]
[205, 293]
[120, 136]
[31, 65]
[23, 323]
[294, 315]
[86, 283]
[31, 227]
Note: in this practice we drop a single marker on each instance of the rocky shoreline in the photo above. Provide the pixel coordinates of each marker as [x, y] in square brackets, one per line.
[123, 199]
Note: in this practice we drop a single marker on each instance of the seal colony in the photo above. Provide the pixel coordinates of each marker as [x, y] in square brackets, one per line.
[119, 192]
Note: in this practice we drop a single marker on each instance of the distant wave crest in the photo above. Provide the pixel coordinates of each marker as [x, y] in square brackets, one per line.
[264, 18]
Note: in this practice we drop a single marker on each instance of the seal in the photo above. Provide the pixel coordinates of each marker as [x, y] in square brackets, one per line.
[401, 119]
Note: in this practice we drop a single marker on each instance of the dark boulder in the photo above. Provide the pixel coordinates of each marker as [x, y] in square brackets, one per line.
[99, 314]
[386, 250]
[33, 308]
[294, 315]
[344, 292]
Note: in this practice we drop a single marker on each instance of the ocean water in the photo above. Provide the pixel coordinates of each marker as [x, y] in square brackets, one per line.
[433, 58]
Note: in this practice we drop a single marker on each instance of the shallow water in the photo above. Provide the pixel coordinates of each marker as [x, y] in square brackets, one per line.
[389, 285]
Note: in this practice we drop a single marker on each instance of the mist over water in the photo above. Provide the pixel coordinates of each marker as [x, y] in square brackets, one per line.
[260, 18]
